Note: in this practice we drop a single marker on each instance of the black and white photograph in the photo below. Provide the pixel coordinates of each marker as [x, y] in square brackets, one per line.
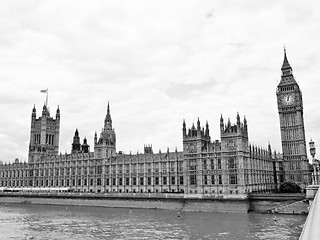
[158, 119]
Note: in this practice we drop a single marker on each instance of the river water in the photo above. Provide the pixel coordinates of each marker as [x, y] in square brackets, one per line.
[28, 221]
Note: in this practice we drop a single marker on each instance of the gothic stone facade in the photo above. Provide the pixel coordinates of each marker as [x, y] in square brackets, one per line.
[290, 108]
[229, 166]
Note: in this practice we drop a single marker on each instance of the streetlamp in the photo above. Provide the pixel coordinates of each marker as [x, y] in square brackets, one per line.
[313, 153]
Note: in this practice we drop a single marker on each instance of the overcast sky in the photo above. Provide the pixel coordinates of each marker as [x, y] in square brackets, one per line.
[157, 62]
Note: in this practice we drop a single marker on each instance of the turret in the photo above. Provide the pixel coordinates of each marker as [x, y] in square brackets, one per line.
[184, 130]
[221, 125]
[95, 138]
[76, 146]
[44, 135]
[148, 149]
[106, 145]
[34, 113]
[58, 113]
[238, 120]
[85, 146]
[197, 139]
[286, 68]
[108, 120]
[207, 130]
[198, 125]
[198, 128]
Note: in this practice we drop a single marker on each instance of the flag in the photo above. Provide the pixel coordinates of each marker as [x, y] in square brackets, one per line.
[44, 91]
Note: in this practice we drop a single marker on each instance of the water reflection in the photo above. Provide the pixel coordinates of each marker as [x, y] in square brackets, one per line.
[27, 221]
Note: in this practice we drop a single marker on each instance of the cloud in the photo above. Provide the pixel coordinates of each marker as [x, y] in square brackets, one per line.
[157, 62]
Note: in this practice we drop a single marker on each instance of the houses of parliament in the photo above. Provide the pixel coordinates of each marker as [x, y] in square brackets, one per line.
[228, 166]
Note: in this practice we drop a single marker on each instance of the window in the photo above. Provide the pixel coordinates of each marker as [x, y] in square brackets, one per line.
[231, 163]
[181, 180]
[212, 180]
[219, 163]
[156, 180]
[120, 181]
[134, 181]
[113, 181]
[192, 165]
[99, 181]
[193, 180]
[212, 164]
[141, 181]
[233, 178]
[220, 179]
[149, 180]
[164, 180]
[127, 181]
[99, 170]
[173, 180]
[205, 179]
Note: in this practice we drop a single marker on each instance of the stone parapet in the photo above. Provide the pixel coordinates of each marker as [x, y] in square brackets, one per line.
[311, 191]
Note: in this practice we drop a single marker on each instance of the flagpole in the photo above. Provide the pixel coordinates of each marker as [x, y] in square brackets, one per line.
[47, 98]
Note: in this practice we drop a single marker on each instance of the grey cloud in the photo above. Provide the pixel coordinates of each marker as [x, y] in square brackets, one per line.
[184, 90]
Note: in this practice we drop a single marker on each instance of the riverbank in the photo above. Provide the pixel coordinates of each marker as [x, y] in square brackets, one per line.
[263, 203]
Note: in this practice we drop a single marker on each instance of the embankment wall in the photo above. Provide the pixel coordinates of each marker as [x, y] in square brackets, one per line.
[204, 205]
[263, 203]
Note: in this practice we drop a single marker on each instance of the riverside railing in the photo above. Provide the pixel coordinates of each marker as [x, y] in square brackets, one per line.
[311, 230]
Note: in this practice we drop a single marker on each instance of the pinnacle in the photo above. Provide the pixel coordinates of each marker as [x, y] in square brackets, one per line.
[285, 64]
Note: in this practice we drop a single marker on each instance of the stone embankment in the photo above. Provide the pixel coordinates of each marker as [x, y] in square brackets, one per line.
[279, 203]
[263, 203]
[170, 202]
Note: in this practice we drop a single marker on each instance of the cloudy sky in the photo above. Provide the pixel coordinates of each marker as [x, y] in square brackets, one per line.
[157, 62]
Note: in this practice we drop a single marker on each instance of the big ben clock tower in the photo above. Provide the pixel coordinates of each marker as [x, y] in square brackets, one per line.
[290, 108]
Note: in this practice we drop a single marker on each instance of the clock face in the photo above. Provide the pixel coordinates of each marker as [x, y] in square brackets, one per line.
[288, 99]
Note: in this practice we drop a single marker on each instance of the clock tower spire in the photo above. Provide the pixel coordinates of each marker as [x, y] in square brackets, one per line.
[290, 108]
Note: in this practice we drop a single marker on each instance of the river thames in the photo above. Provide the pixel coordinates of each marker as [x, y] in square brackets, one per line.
[28, 221]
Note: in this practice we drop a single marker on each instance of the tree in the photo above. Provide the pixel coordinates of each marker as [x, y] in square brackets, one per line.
[289, 187]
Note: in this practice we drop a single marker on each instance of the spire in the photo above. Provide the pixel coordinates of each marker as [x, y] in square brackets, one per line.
[45, 111]
[286, 68]
[285, 64]
[76, 146]
[85, 146]
[108, 120]
[207, 129]
[245, 123]
[238, 119]
[108, 109]
[198, 125]
[34, 114]
[184, 130]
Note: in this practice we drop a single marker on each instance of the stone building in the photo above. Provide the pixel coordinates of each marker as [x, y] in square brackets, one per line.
[44, 135]
[293, 140]
[228, 166]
